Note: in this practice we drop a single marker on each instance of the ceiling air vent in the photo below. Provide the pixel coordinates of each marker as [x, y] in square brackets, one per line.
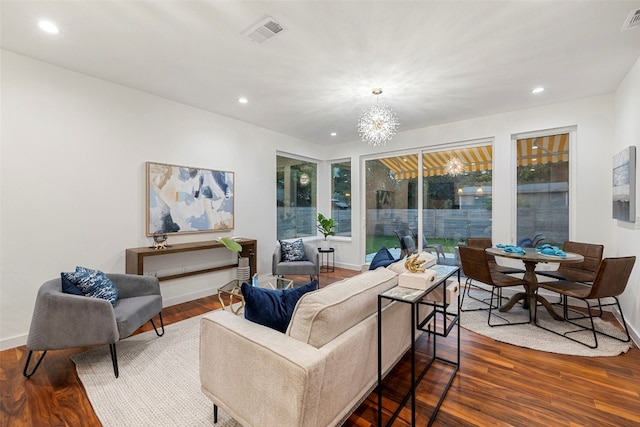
[263, 30]
[632, 21]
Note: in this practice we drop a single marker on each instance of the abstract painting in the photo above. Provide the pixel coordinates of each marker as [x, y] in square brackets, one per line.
[184, 199]
[624, 185]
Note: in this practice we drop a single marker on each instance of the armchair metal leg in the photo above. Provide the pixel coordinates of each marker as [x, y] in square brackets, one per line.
[114, 358]
[26, 365]
[215, 413]
[161, 325]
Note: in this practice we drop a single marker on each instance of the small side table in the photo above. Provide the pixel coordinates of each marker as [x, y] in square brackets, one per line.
[326, 256]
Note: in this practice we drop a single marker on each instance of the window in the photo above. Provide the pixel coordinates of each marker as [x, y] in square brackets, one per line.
[543, 190]
[457, 206]
[296, 188]
[390, 200]
[341, 197]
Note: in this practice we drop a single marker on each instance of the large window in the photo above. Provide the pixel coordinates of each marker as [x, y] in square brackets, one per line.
[454, 206]
[391, 200]
[543, 190]
[341, 197]
[296, 186]
[457, 204]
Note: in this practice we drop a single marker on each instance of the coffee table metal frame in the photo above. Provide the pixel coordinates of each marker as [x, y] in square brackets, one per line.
[232, 290]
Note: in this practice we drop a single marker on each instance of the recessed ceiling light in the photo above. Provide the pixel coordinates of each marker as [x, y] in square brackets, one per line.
[243, 100]
[539, 89]
[48, 27]
[333, 134]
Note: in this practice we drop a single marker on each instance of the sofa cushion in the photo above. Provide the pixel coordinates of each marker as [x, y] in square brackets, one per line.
[293, 251]
[273, 307]
[382, 258]
[321, 316]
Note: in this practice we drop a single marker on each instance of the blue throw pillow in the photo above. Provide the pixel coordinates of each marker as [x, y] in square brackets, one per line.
[382, 258]
[273, 307]
[92, 283]
[68, 287]
[293, 251]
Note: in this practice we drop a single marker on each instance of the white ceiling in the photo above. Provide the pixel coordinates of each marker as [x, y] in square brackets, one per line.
[437, 61]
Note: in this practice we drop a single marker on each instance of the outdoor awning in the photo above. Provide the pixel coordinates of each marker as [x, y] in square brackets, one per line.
[550, 149]
[473, 159]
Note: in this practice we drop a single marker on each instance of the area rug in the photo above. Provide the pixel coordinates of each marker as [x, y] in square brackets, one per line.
[159, 384]
[536, 338]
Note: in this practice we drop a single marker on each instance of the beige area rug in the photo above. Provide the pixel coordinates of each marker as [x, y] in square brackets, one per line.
[533, 337]
[159, 381]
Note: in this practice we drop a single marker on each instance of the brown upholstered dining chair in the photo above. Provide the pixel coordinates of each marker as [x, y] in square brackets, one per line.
[584, 271]
[610, 282]
[484, 243]
[475, 265]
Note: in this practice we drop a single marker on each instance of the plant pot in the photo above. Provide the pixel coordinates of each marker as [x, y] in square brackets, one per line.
[324, 245]
[244, 270]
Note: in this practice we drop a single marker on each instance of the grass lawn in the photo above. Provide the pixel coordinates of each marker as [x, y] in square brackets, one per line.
[376, 242]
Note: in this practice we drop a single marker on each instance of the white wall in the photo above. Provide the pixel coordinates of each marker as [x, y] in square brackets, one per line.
[72, 179]
[72, 176]
[627, 133]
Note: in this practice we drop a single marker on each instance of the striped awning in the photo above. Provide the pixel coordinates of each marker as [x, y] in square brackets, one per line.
[543, 150]
[473, 159]
[549, 149]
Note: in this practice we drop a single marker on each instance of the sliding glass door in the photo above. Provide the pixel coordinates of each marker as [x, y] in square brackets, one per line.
[453, 188]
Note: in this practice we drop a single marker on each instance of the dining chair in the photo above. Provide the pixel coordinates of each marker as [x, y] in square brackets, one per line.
[486, 242]
[475, 266]
[610, 282]
[584, 271]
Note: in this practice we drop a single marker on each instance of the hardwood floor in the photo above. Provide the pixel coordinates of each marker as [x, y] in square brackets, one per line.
[497, 385]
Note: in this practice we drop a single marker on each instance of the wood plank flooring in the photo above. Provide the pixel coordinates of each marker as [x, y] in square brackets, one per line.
[497, 385]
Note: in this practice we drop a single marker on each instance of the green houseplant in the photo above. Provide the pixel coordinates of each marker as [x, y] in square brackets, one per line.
[244, 270]
[326, 226]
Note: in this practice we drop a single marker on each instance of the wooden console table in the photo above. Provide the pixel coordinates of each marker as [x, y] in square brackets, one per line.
[135, 256]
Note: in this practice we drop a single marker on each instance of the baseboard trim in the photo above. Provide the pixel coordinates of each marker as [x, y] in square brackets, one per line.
[13, 342]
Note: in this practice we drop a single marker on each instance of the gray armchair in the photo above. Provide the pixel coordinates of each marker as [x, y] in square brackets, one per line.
[310, 267]
[62, 320]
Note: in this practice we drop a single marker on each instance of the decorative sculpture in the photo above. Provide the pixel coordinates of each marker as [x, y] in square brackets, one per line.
[160, 240]
[412, 264]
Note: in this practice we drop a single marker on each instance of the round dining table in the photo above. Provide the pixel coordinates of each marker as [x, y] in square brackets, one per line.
[530, 297]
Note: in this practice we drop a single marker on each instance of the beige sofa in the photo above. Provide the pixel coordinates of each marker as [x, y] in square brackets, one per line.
[317, 372]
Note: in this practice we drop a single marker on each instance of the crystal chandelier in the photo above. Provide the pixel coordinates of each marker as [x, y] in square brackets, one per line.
[378, 124]
[454, 166]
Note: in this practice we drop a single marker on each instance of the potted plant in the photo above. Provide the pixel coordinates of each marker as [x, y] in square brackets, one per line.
[325, 227]
[244, 269]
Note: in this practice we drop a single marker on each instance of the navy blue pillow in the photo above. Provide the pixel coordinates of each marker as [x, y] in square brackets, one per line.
[382, 258]
[272, 307]
[68, 287]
